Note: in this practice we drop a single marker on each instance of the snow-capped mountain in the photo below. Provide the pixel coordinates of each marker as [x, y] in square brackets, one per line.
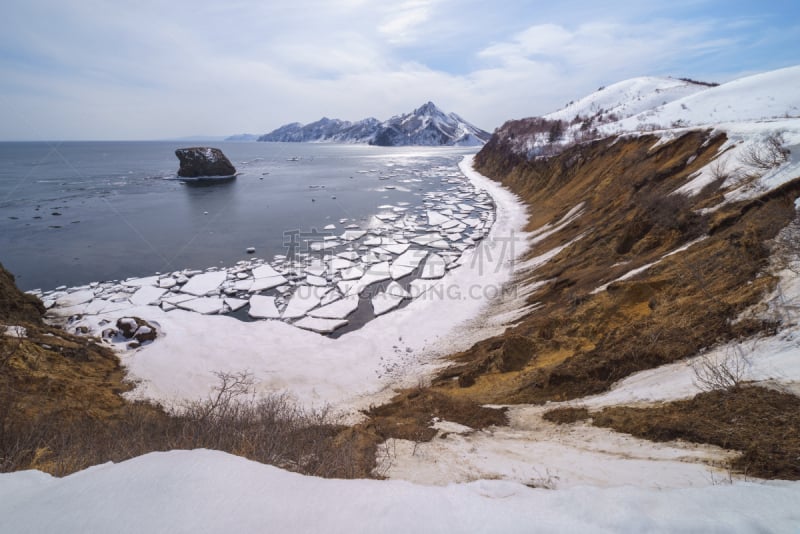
[324, 129]
[426, 125]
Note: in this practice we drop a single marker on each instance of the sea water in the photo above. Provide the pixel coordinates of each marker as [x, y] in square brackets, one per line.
[76, 212]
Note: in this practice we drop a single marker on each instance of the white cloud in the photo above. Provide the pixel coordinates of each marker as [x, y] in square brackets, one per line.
[111, 70]
[402, 23]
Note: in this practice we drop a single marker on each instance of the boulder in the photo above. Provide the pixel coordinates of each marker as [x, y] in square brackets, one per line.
[136, 328]
[200, 161]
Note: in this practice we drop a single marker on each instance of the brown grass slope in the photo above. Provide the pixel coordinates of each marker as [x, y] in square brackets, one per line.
[578, 343]
[50, 371]
[763, 424]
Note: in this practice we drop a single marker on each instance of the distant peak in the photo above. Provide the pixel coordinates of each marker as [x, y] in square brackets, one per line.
[428, 107]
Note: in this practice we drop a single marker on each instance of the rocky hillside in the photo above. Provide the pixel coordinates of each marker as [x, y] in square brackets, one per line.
[425, 126]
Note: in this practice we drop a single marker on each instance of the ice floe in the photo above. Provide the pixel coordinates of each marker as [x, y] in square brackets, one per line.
[203, 284]
[434, 267]
[325, 282]
[338, 309]
[263, 307]
[204, 305]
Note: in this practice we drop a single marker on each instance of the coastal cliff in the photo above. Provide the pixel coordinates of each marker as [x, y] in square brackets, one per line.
[589, 328]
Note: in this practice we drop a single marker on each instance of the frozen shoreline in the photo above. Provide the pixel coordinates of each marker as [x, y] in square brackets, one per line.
[350, 372]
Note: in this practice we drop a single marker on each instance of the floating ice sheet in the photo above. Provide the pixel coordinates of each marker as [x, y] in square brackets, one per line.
[203, 284]
[204, 305]
[321, 326]
[434, 267]
[263, 307]
[147, 295]
[338, 309]
[304, 299]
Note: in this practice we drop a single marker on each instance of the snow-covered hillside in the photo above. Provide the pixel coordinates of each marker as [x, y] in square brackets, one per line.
[770, 95]
[425, 126]
[665, 105]
[627, 98]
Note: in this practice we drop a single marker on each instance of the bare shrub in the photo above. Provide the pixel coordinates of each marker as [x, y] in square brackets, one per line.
[715, 372]
[386, 455]
[272, 429]
[720, 174]
[547, 481]
[766, 154]
[672, 212]
[666, 211]
[232, 387]
[10, 447]
[719, 170]
[786, 247]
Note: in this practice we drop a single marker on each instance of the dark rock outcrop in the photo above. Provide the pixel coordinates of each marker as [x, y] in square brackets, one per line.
[200, 161]
[136, 328]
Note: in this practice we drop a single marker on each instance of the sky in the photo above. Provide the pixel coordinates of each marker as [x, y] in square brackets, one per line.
[123, 70]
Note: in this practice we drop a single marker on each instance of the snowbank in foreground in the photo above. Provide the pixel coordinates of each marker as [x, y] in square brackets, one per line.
[208, 491]
[391, 351]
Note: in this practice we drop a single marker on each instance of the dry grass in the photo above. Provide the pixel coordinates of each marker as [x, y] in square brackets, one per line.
[410, 415]
[271, 430]
[566, 415]
[763, 424]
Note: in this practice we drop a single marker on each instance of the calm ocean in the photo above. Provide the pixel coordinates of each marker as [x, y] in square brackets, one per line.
[77, 212]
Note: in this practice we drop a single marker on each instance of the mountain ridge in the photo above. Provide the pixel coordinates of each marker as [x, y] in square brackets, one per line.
[426, 125]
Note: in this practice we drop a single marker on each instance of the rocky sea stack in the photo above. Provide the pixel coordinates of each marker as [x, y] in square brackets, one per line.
[201, 161]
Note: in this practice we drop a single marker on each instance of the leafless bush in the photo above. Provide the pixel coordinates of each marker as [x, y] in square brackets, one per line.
[786, 247]
[385, 456]
[720, 174]
[548, 481]
[9, 446]
[766, 154]
[672, 212]
[719, 170]
[715, 372]
[271, 429]
[232, 387]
